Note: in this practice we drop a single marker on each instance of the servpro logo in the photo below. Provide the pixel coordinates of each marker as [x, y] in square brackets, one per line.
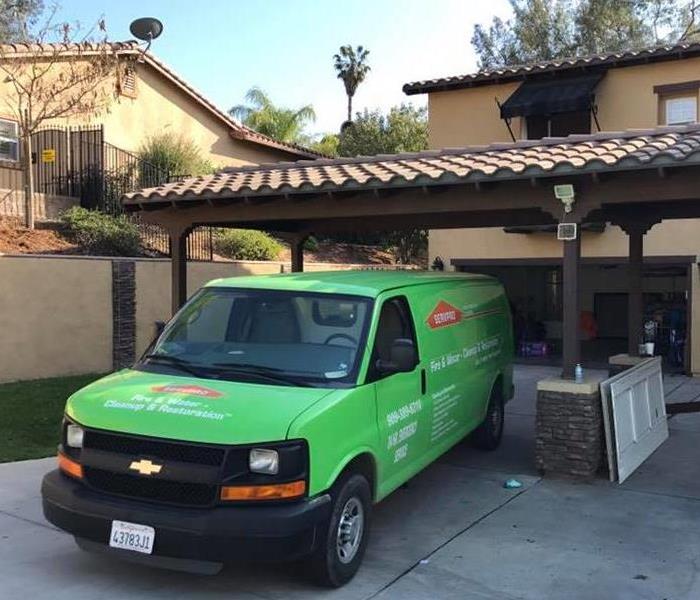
[443, 315]
[190, 390]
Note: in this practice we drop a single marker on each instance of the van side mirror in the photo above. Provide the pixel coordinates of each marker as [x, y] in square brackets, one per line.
[403, 357]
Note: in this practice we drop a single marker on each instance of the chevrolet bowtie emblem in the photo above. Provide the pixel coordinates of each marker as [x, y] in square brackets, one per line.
[145, 467]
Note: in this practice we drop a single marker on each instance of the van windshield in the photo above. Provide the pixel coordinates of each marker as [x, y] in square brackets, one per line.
[265, 336]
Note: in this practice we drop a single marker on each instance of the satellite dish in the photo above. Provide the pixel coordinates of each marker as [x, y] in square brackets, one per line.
[146, 28]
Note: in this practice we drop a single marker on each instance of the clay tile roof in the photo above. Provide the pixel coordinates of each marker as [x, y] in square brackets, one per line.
[133, 48]
[563, 65]
[610, 151]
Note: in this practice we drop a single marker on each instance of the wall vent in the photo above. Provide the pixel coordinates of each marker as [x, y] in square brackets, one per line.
[566, 231]
[127, 81]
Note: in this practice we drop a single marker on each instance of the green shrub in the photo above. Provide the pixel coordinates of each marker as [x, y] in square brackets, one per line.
[311, 244]
[246, 244]
[174, 155]
[101, 234]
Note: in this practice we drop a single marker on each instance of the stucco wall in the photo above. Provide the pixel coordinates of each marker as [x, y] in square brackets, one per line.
[625, 99]
[56, 311]
[55, 317]
[669, 238]
[161, 107]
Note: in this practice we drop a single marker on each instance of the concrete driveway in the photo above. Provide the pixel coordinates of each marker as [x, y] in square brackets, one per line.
[453, 532]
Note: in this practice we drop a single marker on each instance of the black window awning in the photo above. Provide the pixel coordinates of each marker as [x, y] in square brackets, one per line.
[551, 97]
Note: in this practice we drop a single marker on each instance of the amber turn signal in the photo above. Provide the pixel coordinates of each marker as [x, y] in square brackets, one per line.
[70, 467]
[278, 491]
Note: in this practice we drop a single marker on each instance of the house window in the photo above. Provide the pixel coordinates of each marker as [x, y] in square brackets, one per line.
[9, 140]
[678, 102]
[558, 125]
[680, 111]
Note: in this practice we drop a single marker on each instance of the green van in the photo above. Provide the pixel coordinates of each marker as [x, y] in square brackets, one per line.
[273, 411]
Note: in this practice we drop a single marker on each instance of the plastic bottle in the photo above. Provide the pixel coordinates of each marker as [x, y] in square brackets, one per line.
[578, 373]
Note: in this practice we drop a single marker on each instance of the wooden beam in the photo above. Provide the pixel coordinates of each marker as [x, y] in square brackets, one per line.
[618, 191]
[635, 300]
[297, 247]
[571, 351]
[178, 267]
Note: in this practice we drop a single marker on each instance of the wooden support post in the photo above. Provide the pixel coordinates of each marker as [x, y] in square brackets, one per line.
[635, 300]
[635, 228]
[297, 247]
[571, 352]
[178, 266]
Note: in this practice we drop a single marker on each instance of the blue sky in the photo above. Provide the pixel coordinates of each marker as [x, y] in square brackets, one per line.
[223, 47]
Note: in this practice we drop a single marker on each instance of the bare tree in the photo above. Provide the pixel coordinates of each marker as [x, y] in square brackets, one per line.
[691, 26]
[57, 73]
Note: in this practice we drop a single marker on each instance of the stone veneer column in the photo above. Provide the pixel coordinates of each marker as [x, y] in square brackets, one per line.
[123, 313]
[569, 428]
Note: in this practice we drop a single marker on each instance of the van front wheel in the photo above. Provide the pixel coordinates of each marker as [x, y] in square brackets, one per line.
[342, 543]
[488, 435]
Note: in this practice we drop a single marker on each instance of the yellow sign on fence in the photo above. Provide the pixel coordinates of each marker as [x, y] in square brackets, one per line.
[48, 155]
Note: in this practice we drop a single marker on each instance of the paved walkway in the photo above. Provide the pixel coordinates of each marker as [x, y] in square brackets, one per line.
[452, 532]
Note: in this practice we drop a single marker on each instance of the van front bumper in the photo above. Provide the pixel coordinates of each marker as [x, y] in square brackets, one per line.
[221, 534]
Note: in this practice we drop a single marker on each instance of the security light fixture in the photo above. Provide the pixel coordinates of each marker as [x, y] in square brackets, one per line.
[565, 193]
[567, 232]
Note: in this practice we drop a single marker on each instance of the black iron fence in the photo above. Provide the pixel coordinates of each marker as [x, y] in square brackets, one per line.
[77, 162]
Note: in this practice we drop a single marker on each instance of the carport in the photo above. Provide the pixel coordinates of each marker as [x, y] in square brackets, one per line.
[633, 179]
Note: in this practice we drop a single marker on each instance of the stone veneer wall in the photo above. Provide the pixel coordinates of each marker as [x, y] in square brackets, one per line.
[569, 433]
[123, 313]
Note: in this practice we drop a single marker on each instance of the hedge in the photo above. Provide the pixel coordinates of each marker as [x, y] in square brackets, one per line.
[246, 244]
[101, 234]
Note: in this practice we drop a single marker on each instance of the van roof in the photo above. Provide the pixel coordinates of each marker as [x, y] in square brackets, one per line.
[359, 283]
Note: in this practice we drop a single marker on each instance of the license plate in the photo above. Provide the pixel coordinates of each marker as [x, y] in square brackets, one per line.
[130, 536]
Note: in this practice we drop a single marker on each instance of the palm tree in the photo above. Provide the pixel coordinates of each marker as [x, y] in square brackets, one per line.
[283, 124]
[351, 65]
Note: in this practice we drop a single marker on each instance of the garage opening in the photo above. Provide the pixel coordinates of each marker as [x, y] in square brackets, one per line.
[536, 296]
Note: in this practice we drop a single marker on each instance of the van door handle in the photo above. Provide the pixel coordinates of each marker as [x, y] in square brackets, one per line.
[423, 382]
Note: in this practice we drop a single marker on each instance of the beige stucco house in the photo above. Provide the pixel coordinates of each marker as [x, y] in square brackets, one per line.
[146, 98]
[614, 92]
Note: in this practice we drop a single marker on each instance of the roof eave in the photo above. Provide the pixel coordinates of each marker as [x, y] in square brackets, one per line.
[582, 64]
[255, 138]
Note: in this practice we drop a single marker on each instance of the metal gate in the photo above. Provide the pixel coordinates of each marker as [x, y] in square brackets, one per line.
[77, 162]
[69, 162]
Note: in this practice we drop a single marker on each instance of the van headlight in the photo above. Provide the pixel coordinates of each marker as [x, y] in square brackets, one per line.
[74, 435]
[264, 460]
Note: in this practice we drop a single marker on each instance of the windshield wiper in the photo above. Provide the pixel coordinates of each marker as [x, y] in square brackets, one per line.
[270, 373]
[174, 361]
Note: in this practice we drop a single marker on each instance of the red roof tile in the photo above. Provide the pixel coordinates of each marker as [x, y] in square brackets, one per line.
[577, 153]
[579, 63]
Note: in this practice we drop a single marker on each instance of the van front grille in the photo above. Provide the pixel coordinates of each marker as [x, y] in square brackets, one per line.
[155, 490]
[164, 450]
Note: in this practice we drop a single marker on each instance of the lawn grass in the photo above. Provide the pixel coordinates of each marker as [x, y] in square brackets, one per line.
[31, 413]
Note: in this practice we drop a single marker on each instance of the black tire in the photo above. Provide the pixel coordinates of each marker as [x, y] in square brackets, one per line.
[326, 565]
[489, 434]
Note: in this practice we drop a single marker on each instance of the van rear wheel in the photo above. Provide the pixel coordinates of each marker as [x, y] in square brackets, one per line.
[488, 435]
[343, 541]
